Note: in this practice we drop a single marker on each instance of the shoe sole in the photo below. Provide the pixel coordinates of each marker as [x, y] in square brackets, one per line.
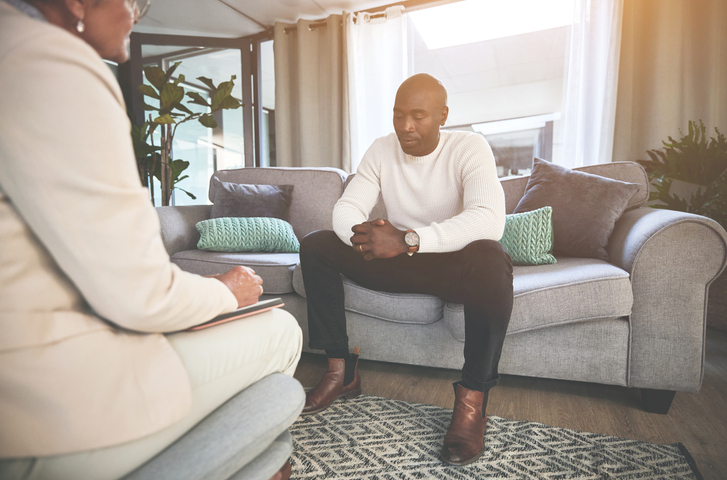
[465, 462]
[347, 395]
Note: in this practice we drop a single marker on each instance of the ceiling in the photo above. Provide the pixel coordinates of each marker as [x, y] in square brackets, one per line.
[239, 18]
[506, 77]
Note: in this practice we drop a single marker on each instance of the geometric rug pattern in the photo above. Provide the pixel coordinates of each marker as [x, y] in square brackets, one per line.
[374, 438]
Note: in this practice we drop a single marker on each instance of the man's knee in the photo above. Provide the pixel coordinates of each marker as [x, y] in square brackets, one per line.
[487, 272]
[489, 255]
[318, 242]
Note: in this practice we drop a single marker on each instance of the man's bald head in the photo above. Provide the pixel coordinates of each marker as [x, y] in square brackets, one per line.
[425, 82]
[419, 110]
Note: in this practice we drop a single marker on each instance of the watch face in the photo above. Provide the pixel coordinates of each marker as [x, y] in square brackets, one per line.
[411, 239]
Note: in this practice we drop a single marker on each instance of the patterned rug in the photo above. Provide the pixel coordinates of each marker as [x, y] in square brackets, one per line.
[373, 438]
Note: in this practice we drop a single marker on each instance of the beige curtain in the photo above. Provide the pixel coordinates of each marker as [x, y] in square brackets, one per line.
[310, 129]
[673, 69]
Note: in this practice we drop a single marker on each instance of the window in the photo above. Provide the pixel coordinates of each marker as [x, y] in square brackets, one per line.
[503, 64]
[207, 150]
[244, 137]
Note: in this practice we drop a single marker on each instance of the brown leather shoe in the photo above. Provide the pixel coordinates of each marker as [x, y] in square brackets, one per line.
[332, 385]
[465, 439]
[283, 473]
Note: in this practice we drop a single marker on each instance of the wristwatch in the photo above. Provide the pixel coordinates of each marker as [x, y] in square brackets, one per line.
[412, 241]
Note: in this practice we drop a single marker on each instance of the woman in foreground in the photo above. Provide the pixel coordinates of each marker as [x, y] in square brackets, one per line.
[93, 380]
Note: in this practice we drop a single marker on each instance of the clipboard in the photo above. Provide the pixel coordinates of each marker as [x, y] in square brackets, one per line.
[254, 309]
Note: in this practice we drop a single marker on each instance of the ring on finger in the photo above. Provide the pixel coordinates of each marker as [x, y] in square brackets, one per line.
[360, 247]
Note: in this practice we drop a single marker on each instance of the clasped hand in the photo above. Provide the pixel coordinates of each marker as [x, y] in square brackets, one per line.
[378, 239]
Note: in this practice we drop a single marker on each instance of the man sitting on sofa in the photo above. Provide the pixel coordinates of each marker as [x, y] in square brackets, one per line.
[446, 213]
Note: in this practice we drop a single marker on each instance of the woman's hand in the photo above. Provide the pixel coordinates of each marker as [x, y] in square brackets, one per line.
[243, 283]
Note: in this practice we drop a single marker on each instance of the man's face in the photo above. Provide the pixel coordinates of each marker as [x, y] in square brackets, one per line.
[418, 113]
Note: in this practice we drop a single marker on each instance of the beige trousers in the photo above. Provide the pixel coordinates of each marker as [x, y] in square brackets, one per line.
[221, 361]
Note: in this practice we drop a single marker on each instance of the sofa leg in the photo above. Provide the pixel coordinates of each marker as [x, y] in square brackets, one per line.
[657, 401]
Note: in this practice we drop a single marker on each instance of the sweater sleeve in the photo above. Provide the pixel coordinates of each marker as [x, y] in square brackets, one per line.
[483, 214]
[68, 168]
[360, 196]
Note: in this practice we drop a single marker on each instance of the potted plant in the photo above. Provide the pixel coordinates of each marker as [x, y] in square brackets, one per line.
[156, 161]
[690, 175]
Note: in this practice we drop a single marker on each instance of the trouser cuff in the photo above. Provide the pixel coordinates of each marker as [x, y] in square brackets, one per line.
[476, 384]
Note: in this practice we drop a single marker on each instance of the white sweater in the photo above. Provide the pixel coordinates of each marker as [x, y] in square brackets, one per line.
[450, 197]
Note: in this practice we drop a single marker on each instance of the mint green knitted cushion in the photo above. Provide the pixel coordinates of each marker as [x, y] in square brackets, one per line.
[249, 234]
[528, 237]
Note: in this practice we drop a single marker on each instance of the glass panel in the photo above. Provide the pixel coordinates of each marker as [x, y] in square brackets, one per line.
[517, 73]
[267, 85]
[206, 149]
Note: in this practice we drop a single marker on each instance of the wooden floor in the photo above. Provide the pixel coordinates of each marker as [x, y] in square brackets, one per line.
[699, 421]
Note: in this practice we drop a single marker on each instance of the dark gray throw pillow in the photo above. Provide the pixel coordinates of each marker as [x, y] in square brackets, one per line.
[585, 207]
[243, 200]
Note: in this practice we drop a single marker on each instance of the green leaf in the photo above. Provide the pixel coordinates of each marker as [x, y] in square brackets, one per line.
[148, 107]
[181, 107]
[164, 119]
[190, 195]
[171, 94]
[230, 103]
[170, 72]
[208, 121]
[209, 83]
[155, 76]
[223, 91]
[198, 99]
[179, 79]
[177, 167]
[148, 90]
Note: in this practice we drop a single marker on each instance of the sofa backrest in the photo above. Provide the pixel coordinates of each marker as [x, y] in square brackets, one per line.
[630, 172]
[514, 188]
[315, 192]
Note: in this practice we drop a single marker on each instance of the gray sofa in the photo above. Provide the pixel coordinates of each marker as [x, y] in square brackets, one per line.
[635, 321]
[246, 438]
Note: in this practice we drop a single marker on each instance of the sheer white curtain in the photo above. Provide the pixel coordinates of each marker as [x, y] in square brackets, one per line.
[592, 80]
[310, 125]
[377, 63]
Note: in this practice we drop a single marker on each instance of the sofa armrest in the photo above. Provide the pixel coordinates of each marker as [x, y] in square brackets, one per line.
[178, 226]
[672, 258]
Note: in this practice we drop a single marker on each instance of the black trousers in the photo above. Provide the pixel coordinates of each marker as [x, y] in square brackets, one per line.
[478, 276]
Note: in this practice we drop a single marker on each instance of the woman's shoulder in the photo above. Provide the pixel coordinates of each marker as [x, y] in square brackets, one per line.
[25, 37]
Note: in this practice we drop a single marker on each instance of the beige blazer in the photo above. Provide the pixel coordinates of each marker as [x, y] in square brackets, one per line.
[86, 285]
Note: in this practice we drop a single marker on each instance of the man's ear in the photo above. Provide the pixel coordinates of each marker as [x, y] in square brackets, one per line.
[445, 114]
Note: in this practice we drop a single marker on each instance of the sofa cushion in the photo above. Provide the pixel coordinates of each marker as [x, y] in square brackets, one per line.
[241, 200]
[256, 234]
[528, 237]
[573, 290]
[315, 192]
[276, 269]
[409, 308]
[630, 172]
[585, 207]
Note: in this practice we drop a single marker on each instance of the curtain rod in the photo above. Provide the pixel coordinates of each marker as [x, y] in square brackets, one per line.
[376, 12]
